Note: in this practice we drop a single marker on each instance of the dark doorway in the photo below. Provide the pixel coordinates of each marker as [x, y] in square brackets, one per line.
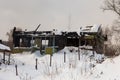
[73, 42]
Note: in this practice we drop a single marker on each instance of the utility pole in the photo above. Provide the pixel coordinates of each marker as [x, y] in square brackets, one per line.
[69, 22]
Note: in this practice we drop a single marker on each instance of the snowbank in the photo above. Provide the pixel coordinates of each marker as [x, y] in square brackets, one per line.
[89, 67]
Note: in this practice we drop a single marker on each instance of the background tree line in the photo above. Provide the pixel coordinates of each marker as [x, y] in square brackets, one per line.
[113, 31]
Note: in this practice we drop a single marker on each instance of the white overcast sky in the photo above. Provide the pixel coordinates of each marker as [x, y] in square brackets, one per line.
[27, 14]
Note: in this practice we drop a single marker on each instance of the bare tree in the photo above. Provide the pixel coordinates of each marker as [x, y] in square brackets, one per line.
[9, 34]
[10, 37]
[112, 5]
[114, 36]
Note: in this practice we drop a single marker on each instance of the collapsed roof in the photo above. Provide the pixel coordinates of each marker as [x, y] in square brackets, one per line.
[95, 29]
[83, 30]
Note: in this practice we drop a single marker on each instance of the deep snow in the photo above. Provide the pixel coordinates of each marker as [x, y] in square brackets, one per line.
[89, 67]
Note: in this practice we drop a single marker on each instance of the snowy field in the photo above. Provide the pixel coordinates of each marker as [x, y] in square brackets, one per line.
[89, 67]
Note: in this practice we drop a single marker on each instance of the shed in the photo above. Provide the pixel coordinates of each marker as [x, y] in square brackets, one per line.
[4, 49]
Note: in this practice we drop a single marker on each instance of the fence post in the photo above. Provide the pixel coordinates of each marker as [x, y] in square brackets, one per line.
[93, 51]
[16, 70]
[9, 59]
[36, 63]
[64, 57]
[50, 60]
[78, 53]
[4, 57]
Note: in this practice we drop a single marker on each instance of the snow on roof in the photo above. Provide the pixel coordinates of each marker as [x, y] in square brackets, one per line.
[4, 47]
[57, 32]
[93, 28]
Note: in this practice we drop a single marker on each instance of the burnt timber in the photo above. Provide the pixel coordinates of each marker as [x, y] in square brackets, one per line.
[88, 36]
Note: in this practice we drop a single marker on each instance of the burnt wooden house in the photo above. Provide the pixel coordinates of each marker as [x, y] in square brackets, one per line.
[93, 36]
[39, 39]
[89, 35]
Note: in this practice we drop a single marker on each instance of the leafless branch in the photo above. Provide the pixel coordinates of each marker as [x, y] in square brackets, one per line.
[112, 5]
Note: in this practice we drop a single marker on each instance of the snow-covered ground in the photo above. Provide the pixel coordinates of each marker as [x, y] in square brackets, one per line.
[89, 67]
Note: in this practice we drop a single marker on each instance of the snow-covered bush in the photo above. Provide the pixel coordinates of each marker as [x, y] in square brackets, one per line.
[110, 51]
[112, 45]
